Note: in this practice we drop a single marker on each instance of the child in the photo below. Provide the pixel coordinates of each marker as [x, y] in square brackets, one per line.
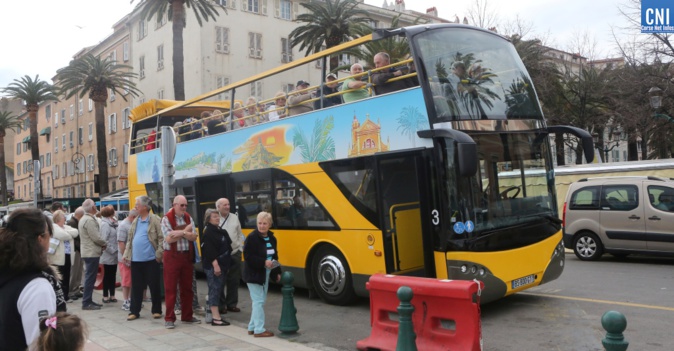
[62, 332]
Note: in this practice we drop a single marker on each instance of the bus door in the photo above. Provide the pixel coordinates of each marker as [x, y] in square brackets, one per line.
[399, 189]
[209, 189]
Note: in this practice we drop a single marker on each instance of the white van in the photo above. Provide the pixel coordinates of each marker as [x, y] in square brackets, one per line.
[620, 216]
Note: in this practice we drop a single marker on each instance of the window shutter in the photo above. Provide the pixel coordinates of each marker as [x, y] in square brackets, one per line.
[251, 45]
[264, 7]
[277, 8]
[295, 9]
[218, 39]
[244, 5]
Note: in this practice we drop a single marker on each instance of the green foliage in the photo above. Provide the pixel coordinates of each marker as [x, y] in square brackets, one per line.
[203, 9]
[397, 47]
[410, 121]
[321, 146]
[8, 121]
[193, 162]
[32, 91]
[94, 76]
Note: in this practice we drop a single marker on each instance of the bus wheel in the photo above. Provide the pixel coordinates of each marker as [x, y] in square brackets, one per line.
[331, 276]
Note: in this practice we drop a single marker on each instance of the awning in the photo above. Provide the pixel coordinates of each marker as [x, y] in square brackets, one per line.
[113, 202]
[26, 139]
[45, 131]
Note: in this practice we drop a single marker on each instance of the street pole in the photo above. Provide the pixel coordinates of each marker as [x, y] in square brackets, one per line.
[168, 153]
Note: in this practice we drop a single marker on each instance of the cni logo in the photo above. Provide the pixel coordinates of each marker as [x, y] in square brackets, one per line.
[655, 16]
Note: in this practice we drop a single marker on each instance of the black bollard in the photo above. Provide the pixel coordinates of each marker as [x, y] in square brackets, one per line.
[406, 336]
[288, 324]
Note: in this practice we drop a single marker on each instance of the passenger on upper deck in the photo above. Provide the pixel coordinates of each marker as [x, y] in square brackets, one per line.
[216, 123]
[252, 112]
[280, 104]
[380, 78]
[358, 84]
[330, 87]
[297, 100]
[238, 121]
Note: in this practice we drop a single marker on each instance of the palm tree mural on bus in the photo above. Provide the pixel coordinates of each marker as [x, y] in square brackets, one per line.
[517, 97]
[224, 163]
[472, 87]
[410, 121]
[321, 146]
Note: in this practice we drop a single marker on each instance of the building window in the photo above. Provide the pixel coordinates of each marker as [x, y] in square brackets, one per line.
[56, 171]
[141, 68]
[284, 10]
[90, 162]
[80, 107]
[288, 87]
[112, 56]
[47, 111]
[72, 112]
[254, 45]
[161, 20]
[142, 29]
[48, 159]
[71, 137]
[125, 51]
[56, 145]
[160, 57]
[112, 157]
[222, 40]
[112, 123]
[91, 105]
[160, 94]
[286, 51]
[125, 155]
[222, 81]
[56, 120]
[126, 121]
[91, 131]
[256, 89]
[112, 95]
[80, 135]
[251, 5]
[63, 141]
[63, 116]
[18, 148]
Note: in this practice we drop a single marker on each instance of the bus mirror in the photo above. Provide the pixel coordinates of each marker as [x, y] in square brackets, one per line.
[583, 135]
[467, 153]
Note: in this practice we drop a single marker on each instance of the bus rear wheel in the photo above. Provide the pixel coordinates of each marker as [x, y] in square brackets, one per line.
[331, 276]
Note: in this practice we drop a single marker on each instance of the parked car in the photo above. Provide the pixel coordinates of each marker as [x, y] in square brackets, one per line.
[620, 216]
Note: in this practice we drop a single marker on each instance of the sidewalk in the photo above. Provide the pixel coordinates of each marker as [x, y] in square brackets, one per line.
[109, 330]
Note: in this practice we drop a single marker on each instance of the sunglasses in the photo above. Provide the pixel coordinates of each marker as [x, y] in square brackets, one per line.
[181, 205]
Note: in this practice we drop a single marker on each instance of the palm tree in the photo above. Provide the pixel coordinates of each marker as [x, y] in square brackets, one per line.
[175, 10]
[410, 121]
[321, 146]
[94, 76]
[34, 92]
[7, 121]
[328, 23]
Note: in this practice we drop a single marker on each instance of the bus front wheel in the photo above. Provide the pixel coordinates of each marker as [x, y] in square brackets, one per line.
[331, 276]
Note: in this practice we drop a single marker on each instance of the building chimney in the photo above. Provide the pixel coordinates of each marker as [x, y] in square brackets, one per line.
[432, 11]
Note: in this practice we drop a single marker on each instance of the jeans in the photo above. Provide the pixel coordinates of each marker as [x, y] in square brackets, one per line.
[75, 274]
[145, 274]
[90, 272]
[215, 286]
[258, 296]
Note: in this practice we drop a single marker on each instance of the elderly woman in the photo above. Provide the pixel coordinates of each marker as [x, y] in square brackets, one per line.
[64, 255]
[27, 283]
[260, 255]
[216, 248]
[109, 255]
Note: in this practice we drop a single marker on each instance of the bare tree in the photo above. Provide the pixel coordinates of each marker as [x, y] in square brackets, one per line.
[481, 15]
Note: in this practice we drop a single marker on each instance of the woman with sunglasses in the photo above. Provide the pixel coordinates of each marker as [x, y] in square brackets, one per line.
[29, 289]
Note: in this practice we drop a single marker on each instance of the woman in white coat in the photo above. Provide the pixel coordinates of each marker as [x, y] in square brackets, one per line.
[64, 255]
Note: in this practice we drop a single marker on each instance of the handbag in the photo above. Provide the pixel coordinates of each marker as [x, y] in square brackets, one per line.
[276, 271]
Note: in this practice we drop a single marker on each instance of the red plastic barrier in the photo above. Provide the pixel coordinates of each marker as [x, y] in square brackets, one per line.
[446, 313]
[98, 285]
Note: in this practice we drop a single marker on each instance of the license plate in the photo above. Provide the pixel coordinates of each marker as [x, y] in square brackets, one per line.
[523, 281]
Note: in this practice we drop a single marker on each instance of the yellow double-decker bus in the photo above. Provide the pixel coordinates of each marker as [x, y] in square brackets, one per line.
[445, 173]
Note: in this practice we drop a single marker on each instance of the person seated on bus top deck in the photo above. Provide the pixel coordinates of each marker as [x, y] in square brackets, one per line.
[357, 85]
[151, 140]
[330, 87]
[238, 119]
[277, 110]
[380, 78]
[216, 124]
[252, 112]
[297, 99]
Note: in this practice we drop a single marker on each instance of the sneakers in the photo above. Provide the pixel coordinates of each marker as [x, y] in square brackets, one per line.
[91, 307]
[194, 320]
[177, 311]
[169, 325]
[126, 305]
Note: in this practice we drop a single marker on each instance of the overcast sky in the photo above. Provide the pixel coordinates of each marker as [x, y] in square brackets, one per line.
[41, 36]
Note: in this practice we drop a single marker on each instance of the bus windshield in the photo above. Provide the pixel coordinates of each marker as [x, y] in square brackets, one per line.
[512, 188]
[475, 76]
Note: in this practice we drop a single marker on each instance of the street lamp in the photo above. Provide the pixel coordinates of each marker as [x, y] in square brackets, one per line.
[656, 102]
[617, 136]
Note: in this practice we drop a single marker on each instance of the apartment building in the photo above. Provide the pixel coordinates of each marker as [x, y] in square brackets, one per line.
[15, 107]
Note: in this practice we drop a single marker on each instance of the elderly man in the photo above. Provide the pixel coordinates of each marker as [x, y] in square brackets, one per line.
[91, 246]
[77, 267]
[297, 101]
[179, 237]
[144, 251]
[381, 77]
[355, 88]
[124, 269]
[230, 222]
[330, 87]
